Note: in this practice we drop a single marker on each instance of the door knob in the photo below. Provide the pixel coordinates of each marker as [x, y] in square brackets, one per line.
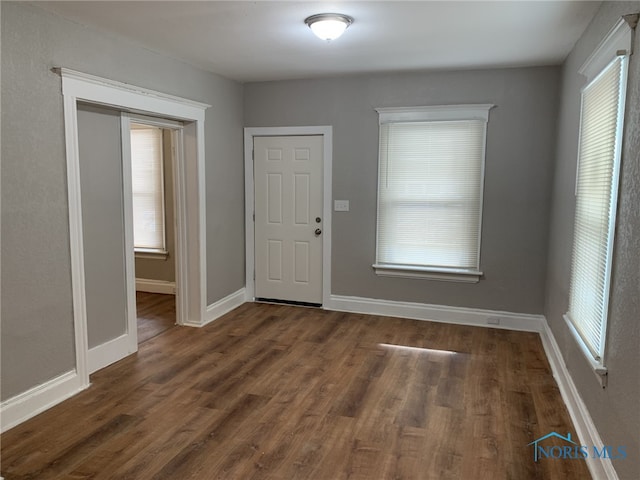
[318, 232]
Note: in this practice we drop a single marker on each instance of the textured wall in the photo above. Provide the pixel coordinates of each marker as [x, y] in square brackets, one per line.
[519, 162]
[614, 409]
[37, 325]
[37, 331]
[100, 155]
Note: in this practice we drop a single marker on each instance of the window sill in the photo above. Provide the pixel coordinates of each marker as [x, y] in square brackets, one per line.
[429, 273]
[596, 365]
[151, 253]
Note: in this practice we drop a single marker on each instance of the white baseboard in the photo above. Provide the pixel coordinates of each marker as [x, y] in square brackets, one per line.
[109, 352]
[438, 313]
[155, 286]
[222, 306]
[600, 468]
[28, 404]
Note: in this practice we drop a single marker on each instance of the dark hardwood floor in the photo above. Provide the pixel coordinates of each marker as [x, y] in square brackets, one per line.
[156, 314]
[279, 392]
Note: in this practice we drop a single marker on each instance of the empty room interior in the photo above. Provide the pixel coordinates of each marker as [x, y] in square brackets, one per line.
[320, 240]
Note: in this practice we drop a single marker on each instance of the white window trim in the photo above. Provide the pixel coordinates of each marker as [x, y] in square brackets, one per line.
[151, 253]
[434, 113]
[431, 273]
[437, 113]
[597, 366]
[618, 42]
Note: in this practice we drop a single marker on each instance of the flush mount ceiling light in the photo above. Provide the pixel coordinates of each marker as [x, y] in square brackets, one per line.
[328, 26]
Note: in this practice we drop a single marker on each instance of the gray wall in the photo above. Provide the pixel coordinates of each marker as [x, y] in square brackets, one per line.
[519, 163]
[160, 268]
[100, 152]
[37, 318]
[614, 409]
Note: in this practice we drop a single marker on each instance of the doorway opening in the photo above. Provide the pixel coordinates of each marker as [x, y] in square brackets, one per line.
[153, 159]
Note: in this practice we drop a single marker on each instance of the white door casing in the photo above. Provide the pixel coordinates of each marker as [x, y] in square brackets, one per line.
[190, 194]
[326, 133]
[176, 159]
[288, 218]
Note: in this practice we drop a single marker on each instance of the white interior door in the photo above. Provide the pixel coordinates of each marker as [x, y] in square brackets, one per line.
[288, 218]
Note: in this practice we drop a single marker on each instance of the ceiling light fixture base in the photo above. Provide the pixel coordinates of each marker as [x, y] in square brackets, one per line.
[328, 26]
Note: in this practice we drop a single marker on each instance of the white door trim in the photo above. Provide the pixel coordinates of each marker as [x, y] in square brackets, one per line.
[129, 256]
[129, 259]
[327, 134]
[177, 160]
[77, 86]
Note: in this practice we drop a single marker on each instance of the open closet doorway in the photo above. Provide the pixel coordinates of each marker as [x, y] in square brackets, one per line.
[152, 157]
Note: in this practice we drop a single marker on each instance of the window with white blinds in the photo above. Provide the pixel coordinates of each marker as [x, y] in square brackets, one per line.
[148, 188]
[596, 199]
[430, 184]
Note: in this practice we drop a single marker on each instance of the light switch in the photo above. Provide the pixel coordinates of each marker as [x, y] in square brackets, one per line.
[341, 205]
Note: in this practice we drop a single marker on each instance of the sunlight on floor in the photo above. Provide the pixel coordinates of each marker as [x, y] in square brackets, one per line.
[417, 349]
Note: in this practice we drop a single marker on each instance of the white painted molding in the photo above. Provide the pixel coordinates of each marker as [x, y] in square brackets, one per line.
[190, 193]
[129, 260]
[442, 274]
[327, 201]
[109, 352]
[619, 41]
[155, 286]
[600, 468]
[438, 313]
[28, 404]
[222, 306]
[89, 87]
[76, 245]
[478, 111]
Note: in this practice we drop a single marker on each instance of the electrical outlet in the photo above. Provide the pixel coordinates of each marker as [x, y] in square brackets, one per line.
[493, 320]
[341, 205]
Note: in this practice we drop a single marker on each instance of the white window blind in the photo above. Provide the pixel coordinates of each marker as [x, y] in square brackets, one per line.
[148, 188]
[596, 198]
[430, 186]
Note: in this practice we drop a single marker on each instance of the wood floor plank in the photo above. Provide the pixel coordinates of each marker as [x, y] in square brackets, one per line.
[280, 392]
[156, 314]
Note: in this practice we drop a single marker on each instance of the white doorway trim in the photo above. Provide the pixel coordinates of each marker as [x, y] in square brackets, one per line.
[176, 178]
[327, 195]
[190, 193]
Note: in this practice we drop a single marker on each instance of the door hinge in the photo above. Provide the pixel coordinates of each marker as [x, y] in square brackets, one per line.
[254, 216]
[253, 155]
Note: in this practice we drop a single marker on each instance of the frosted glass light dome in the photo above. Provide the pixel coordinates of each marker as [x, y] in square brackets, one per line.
[328, 26]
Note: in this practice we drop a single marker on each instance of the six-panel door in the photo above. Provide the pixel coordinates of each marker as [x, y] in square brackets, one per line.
[288, 218]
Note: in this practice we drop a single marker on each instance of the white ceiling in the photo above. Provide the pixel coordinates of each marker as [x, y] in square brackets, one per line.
[265, 40]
